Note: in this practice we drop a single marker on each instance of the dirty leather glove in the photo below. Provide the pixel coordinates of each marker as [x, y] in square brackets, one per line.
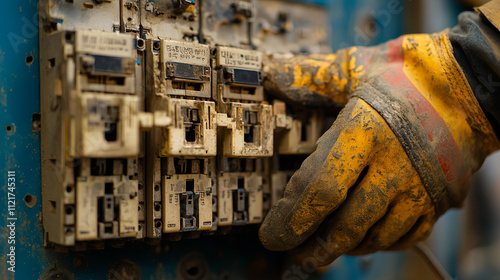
[399, 155]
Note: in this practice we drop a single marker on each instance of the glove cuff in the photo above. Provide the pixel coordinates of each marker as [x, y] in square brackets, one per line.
[421, 92]
[406, 125]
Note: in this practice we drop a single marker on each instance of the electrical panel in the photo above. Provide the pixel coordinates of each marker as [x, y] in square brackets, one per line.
[155, 121]
[92, 102]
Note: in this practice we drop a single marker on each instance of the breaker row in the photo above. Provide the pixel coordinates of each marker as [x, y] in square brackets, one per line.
[144, 137]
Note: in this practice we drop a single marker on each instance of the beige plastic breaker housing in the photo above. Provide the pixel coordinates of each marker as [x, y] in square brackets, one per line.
[183, 201]
[91, 95]
[302, 135]
[193, 131]
[105, 119]
[241, 186]
[239, 198]
[279, 179]
[186, 68]
[181, 76]
[106, 193]
[188, 199]
[239, 74]
[179, 70]
[249, 131]
[296, 135]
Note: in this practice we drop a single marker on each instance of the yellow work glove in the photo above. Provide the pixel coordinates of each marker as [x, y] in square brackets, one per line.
[400, 154]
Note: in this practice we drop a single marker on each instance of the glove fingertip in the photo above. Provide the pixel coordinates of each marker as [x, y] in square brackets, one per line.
[274, 234]
[271, 239]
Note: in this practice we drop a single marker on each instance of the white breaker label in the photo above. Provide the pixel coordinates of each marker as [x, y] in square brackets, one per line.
[111, 44]
[232, 57]
[182, 52]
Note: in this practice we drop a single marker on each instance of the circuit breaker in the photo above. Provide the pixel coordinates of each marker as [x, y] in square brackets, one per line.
[240, 192]
[106, 207]
[91, 108]
[239, 79]
[304, 130]
[181, 87]
[188, 196]
[155, 122]
[180, 75]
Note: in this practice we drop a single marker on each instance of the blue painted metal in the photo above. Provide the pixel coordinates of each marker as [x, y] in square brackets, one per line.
[387, 266]
[19, 99]
[365, 22]
[317, 2]
[440, 14]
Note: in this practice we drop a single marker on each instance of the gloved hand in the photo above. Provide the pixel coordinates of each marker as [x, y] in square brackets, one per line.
[399, 155]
